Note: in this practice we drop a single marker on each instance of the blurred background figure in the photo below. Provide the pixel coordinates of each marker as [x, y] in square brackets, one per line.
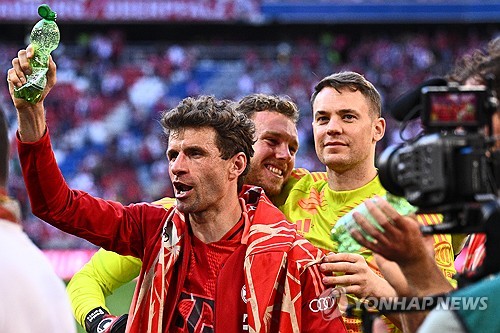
[34, 299]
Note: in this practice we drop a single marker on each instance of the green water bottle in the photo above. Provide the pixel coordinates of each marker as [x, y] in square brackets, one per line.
[44, 38]
[340, 232]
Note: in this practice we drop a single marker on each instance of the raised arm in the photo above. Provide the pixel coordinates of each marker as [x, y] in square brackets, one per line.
[73, 211]
[31, 117]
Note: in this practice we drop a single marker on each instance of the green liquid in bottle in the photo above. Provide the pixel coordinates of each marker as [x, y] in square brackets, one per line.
[340, 232]
[44, 38]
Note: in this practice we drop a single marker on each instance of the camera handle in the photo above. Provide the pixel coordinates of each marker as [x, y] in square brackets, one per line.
[482, 216]
[491, 263]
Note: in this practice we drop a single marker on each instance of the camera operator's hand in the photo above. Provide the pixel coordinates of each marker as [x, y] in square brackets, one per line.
[403, 243]
[393, 275]
[401, 240]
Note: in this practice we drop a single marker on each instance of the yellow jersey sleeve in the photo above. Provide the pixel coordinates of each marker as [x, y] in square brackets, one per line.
[104, 273]
[443, 247]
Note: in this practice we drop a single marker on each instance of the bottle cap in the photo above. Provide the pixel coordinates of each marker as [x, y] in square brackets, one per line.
[47, 13]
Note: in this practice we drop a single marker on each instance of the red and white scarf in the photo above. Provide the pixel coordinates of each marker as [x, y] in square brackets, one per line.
[269, 277]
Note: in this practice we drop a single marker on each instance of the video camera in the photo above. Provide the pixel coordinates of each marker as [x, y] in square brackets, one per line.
[450, 167]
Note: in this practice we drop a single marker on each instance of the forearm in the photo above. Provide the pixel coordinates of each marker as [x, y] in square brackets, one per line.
[434, 282]
[100, 277]
[411, 321]
[85, 294]
[384, 290]
[31, 123]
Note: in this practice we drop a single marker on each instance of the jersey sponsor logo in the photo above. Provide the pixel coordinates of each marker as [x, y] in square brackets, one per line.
[322, 303]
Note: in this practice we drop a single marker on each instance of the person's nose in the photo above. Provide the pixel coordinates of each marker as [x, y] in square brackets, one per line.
[334, 127]
[178, 165]
[283, 152]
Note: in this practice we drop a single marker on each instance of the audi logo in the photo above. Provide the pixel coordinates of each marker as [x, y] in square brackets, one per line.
[322, 304]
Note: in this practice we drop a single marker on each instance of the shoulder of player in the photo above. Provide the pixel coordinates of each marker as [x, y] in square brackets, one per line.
[165, 202]
[304, 180]
[301, 173]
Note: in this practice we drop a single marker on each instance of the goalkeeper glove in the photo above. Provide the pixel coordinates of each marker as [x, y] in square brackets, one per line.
[100, 321]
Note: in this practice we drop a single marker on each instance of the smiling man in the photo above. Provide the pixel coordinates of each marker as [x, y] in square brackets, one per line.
[276, 144]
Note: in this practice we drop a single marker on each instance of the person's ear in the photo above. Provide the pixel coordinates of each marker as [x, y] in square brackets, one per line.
[378, 129]
[238, 164]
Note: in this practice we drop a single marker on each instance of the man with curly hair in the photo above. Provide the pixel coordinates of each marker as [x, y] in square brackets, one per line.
[222, 259]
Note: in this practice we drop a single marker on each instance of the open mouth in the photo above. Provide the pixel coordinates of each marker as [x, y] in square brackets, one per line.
[276, 171]
[181, 189]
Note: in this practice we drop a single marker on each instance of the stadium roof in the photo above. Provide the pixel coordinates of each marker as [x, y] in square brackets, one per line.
[257, 11]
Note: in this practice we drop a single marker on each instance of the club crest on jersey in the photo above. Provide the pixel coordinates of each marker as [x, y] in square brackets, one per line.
[170, 238]
[244, 294]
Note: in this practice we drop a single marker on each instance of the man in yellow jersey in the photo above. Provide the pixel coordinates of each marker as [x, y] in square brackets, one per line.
[347, 124]
[271, 166]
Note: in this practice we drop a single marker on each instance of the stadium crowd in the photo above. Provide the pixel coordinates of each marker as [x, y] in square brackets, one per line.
[109, 89]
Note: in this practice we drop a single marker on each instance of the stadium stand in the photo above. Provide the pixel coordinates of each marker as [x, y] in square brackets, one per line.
[112, 87]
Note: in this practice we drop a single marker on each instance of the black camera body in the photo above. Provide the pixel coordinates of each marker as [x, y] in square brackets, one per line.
[437, 172]
[451, 168]
[451, 163]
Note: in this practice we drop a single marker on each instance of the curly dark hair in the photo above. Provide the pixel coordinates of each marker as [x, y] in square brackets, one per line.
[234, 130]
[479, 63]
[354, 82]
[254, 103]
